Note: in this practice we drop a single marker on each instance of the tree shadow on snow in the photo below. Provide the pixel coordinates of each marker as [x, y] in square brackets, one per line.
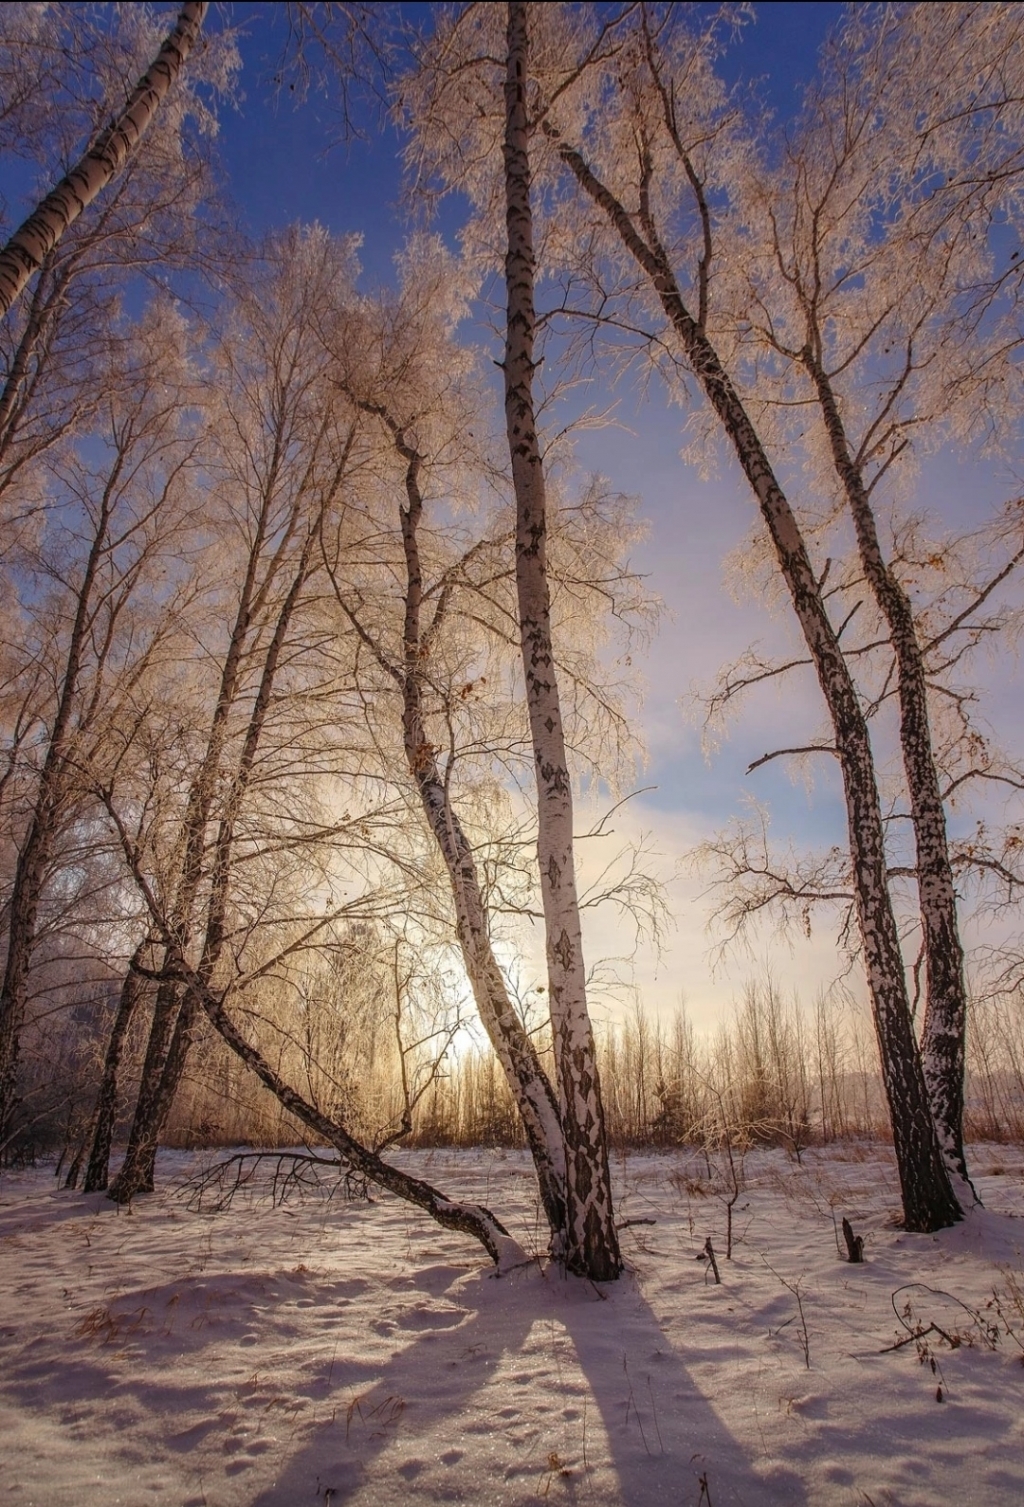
[522, 1370]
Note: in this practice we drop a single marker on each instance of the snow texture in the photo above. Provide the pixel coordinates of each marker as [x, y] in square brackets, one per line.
[355, 1352]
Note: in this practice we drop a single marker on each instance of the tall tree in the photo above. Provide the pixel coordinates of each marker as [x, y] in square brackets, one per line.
[28, 249]
[454, 649]
[64, 71]
[592, 1247]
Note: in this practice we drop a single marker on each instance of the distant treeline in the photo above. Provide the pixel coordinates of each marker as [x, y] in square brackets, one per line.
[772, 1074]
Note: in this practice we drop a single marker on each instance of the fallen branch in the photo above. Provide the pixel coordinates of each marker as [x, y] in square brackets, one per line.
[988, 1332]
[295, 1174]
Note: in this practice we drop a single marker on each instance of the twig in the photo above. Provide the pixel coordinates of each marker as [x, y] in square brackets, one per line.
[794, 1288]
[654, 1413]
[631, 1403]
[295, 1174]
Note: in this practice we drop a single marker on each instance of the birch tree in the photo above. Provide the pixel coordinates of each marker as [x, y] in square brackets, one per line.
[28, 249]
[445, 663]
[63, 71]
[592, 1247]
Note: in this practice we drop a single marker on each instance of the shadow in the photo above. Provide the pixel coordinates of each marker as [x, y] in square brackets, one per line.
[527, 1388]
[56, 1205]
[116, 1351]
[667, 1441]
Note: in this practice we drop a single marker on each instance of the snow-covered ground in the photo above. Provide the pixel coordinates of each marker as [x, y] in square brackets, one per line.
[355, 1352]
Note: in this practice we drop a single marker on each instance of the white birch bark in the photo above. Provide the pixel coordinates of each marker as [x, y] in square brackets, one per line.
[591, 1241]
[29, 246]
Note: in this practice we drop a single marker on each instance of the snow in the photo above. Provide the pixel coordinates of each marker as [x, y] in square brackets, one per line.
[350, 1351]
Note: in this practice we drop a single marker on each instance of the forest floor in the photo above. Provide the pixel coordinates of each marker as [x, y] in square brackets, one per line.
[333, 1351]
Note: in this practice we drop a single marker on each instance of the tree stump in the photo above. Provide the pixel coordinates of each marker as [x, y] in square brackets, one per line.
[854, 1243]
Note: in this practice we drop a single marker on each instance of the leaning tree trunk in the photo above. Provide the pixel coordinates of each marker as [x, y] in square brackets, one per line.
[526, 1078]
[469, 1219]
[929, 1202]
[29, 246]
[943, 1052]
[592, 1247]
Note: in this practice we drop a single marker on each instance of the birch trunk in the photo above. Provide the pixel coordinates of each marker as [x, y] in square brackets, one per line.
[591, 1247]
[182, 1033]
[526, 1078]
[929, 1202]
[136, 1174]
[97, 1170]
[945, 1022]
[28, 248]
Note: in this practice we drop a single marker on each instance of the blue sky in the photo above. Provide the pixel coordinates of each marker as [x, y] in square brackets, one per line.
[281, 167]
